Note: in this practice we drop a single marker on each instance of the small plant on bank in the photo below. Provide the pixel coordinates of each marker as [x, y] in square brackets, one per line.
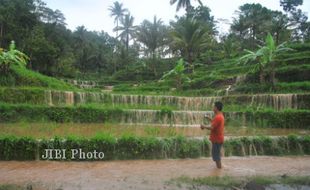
[177, 75]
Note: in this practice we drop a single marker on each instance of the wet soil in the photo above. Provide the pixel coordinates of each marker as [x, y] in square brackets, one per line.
[142, 174]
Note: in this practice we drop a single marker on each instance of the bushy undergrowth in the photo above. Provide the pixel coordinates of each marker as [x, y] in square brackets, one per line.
[83, 114]
[93, 114]
[135, 147]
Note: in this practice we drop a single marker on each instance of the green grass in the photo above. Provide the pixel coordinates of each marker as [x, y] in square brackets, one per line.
[281, 87]
[229, 181]
[87, 130]
[10, 187]
[24, 77]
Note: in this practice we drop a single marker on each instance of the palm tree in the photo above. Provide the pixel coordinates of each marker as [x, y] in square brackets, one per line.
[152, 35]
[263, 57]
[183, 4]
[190, 38]
[118, 12]
[127, 29]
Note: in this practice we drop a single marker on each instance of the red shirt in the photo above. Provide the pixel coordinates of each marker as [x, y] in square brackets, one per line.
[217, 132]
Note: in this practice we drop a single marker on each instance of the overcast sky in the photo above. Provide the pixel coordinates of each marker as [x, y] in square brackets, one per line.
[94, 14]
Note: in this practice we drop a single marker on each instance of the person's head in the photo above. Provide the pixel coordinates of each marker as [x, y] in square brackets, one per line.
[218, 106]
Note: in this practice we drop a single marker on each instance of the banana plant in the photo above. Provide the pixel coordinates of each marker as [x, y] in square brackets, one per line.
[177, 74]
[264, 57]
[12, 56]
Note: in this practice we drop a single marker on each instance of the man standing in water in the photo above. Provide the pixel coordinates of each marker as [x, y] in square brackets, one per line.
[217, 132]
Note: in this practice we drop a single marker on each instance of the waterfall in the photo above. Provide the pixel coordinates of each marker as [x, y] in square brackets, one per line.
[282, 101]
[83, 84]
[183, 103]
[176, 118]
[74, 98]
[48, 97]
[275, 101]
[69, 98]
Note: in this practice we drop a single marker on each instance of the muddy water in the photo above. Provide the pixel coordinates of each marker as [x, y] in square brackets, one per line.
[142, 174]
[40, 130]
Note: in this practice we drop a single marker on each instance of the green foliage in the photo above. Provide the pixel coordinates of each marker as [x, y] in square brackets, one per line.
[13, 113]
[290, 5]
[135, 147]
[283, 87]
[19, 76]
[11, 57]
[238, 182]
[12, 148]
[264, 57]
[22, 95]
[280, 119]
[10, 187]
[190, 37]
[177, 74]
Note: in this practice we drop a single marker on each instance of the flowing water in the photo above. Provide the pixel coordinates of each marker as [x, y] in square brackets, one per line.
[276, 101]
[84, 84]
[142, 174]
[156, 117]
[187, 108]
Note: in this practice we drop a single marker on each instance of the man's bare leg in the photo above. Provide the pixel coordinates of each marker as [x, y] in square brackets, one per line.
[219, 164]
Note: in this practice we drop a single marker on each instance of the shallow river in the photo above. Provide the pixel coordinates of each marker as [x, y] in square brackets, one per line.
[142, 174]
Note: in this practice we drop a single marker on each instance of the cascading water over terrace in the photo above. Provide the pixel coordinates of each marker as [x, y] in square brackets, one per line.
[275, 101]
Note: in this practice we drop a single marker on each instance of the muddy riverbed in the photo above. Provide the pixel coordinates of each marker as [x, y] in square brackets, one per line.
[142, 174]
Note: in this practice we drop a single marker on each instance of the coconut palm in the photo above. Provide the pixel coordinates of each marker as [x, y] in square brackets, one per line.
[152, 35]
[183, 4]
[190, 38]
[263, 57]
[117, 11]
[127, 29]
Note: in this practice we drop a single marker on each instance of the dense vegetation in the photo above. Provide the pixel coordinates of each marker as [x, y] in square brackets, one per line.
[139, 52]
[134, 147]
[266, 52]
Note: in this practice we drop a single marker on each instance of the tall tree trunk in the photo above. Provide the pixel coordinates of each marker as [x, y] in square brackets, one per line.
[114, 62]
[127, 42]
[277, 37]
[179, 83]
[190, 61]
[154, 63]
[1, 34]
[117, 29]
[273, 75]
[253, 38]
